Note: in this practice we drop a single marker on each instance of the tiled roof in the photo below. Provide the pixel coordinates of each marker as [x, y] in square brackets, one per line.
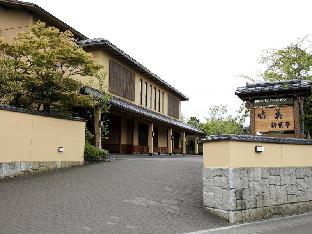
[37, 10]
[259, 139]
[31, 112]
[131, 62]
[273, 88]
[122, 104]
[135, 109]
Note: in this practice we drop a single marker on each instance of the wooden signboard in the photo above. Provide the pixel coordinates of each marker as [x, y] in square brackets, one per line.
[274, 119]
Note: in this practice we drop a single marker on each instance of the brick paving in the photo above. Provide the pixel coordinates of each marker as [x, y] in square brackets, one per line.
[137, 195]
[300, 224]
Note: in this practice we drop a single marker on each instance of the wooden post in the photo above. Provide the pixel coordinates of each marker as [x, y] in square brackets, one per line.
[135, 137]
[150, 139]
[183, 144]
[301, 102]
[97, 128]
[252, 117]
[169, 141]
[297, 117]
[196, 144]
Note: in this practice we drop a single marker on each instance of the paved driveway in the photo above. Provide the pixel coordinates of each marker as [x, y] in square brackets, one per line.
[125, 196]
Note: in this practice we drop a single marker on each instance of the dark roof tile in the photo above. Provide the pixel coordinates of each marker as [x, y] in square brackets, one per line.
[122, 104]
[135, 109]
[43, 14]
[257, 139]
[108, 45]
[275, 88]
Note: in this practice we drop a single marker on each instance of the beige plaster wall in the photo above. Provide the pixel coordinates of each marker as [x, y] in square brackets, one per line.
[162, 137]
[27, 137]
[103, 58]
[13, 22]
[235, 154]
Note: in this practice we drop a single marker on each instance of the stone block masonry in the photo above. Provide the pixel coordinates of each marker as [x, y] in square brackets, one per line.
[245, 194]
[11, 169]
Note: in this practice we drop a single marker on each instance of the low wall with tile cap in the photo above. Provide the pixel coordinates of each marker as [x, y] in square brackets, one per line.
[12, 169]
[241, 185]
[34, 141]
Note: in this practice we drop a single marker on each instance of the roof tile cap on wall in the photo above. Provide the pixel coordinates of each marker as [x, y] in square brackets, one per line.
[257, 139]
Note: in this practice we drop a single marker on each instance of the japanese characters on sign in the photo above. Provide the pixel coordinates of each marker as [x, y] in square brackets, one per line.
[274, 119]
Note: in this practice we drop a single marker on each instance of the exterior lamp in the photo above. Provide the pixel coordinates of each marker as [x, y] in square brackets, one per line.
[61, 149]
[153, 134]
[259, 149]
[171, 137]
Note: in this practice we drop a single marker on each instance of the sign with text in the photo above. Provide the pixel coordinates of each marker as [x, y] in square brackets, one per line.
[274, 119]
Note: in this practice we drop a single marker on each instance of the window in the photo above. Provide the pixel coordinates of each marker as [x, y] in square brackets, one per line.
[163, 102]
[173, 107]
[151, 97]
[158, 100]
[145, 94]
[121, 81]
[141, 90]
[155, 98]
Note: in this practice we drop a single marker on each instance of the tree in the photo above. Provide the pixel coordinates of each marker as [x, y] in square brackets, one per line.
[291, 62]
[194, 122]
[40, 69]
[220, 122]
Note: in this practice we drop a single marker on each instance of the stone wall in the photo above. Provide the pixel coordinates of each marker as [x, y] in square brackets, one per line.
[11, 169]
[244, 194]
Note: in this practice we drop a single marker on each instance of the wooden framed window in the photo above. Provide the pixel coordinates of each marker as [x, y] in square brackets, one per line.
[151, 96]
[145, 94]
[163, 102]
[159, 100]
[141, 92]
[121, 81]
[155, 99]
[173, 107]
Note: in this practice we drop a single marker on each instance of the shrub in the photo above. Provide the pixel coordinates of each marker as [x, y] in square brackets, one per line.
[91, 153]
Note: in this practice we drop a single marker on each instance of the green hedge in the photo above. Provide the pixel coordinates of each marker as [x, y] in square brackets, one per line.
[91, 153]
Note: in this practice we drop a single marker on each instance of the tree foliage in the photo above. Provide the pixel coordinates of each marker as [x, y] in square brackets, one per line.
[291, 62]
[194, 122]
[221, 122]
[40, 69]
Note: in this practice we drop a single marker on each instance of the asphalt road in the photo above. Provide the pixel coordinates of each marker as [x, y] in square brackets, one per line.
[140, 195]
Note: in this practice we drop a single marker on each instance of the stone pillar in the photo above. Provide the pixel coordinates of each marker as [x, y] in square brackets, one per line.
[183, 143]
[150, 139]
[252, 117]
[97, 128]
[169, 141]
[196, 144]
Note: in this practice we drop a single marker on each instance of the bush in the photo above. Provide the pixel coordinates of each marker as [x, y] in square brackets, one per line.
[91, 153]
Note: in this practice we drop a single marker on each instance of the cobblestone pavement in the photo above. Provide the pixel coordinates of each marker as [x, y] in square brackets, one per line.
[297, 224]
[137, 195]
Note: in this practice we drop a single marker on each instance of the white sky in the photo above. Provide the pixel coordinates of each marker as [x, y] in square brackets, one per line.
[199, 46]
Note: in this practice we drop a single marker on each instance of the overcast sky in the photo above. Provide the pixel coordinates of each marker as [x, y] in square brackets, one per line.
[198, 46]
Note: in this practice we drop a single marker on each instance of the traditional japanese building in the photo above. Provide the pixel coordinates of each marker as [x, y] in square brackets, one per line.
[146, 111]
